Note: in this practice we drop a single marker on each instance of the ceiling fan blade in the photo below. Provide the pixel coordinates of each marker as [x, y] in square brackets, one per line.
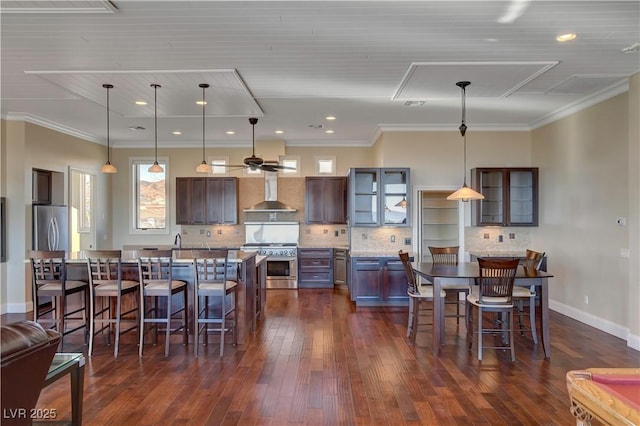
[278, 166]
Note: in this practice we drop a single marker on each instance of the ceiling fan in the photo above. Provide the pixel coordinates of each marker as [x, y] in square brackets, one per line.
[257, 163]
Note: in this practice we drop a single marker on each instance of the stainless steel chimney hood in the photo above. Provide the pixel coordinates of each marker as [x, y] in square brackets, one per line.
[271, 203]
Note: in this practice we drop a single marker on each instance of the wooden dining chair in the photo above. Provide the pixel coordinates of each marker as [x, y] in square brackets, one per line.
[155, 271]
[419, 295]
[521, 295]
[449, 256]
[107, 290]
[493, 293]
[215, 297]
[49, 279]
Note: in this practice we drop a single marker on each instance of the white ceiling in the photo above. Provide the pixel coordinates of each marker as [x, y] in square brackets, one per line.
[292, 63]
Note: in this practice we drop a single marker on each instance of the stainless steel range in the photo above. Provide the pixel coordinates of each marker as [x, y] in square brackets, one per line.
[278, 241]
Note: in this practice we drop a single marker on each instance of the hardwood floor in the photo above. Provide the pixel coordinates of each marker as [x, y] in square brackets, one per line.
[317, 360]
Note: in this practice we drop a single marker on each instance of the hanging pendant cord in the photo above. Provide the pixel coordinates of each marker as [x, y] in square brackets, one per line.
[204, 103]
[108, 145]
[155, 114]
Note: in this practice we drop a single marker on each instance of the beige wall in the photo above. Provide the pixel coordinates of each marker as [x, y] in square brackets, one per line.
[634, 212]
[584, 171]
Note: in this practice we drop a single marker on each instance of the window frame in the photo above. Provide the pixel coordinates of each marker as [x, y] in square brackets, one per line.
[320, 158]
[133, 190]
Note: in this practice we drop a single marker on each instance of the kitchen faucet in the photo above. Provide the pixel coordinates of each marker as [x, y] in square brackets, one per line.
[177, 241]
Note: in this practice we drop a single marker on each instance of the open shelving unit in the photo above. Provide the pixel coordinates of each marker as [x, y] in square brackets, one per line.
[439, 222]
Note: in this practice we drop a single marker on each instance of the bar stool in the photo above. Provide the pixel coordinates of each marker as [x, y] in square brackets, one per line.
[155, 270]
[107, 288]
[49, 279]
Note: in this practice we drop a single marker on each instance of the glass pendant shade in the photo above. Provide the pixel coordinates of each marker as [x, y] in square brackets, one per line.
[402, 203]
[155, 168]
[203, 167]
[108, 167]
[465, 193]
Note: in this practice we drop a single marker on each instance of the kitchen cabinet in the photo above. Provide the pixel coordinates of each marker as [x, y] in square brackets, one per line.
[222, 201]
[209, 201]
[340, 261]
[511, 196]
[378, 281]
[379, 197]
[326, 200]
[47, 187]
[315, 268]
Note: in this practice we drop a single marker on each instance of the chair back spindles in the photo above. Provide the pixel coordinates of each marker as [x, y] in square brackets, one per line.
[497, 278]
[445, 255]
[533, 259]
[408, 269]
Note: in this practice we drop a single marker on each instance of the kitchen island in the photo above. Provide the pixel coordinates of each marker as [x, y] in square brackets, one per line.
[246, 267]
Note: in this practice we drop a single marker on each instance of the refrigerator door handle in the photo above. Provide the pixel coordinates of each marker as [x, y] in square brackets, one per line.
[51, 234]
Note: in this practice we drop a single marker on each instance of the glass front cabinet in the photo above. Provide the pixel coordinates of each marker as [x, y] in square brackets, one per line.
[379, 197]
[511, 196]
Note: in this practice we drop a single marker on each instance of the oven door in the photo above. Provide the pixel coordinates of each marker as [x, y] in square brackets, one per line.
[282, 272]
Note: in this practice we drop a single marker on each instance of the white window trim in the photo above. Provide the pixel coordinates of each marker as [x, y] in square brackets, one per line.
[319, 158]
[211, 159]
[290, 173]
[164, 161]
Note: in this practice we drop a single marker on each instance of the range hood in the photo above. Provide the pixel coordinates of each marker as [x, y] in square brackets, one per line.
[271, 203]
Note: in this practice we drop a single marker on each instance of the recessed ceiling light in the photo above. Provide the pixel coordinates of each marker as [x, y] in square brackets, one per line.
[141, 102]
[135, 128]
[177, 132]
[329, 131]
[279, 132]
[201, 102]
[230, 132]
[566, 37]
[330, 117]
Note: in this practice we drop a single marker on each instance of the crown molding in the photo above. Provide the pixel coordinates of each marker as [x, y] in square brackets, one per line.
[32, 119]
[584, 103]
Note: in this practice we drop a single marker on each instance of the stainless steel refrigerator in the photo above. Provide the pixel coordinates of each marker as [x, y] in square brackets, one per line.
[50, 231]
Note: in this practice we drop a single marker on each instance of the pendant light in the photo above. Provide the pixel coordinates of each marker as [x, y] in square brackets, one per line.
[465, 193]
[156, 168]
[203, 167]
[108, 167]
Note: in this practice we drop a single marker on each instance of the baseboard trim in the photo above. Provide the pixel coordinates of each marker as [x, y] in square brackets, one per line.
[597, 322]
[17, 308]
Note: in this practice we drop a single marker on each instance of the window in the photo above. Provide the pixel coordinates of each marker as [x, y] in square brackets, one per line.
[149, 197]
[219, 166]
[326, 165]
[292, 161]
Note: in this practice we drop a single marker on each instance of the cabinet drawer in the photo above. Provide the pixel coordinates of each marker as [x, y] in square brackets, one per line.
[314, 276]
[315, 263]
[315, 253]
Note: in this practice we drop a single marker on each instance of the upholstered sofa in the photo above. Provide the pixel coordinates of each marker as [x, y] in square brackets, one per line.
[26, 353]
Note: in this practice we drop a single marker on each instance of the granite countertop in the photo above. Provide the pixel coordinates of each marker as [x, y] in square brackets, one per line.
[379, 253]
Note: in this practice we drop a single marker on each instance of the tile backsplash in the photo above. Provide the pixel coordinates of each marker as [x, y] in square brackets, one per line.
[383, 239]
[496, 238]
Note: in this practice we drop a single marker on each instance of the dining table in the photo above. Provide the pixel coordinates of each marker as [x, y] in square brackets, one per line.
[439, 274]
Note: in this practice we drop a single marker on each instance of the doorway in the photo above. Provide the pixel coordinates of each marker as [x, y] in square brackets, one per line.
[82, 210]
[441, 222]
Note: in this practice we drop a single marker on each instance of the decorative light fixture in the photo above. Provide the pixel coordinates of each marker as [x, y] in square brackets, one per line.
[203, 167]
[465, 193]
[108, 167]
[156, 168]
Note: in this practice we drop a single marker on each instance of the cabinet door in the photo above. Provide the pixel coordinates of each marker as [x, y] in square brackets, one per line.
[395, 197]
[491, 184]
[198, 201]
[314, 200]
[364, 197]
[523, 197]
[394, 282]
[365, 278]
[222, 201]
[335, 190]
[183, 201]
[41, 187]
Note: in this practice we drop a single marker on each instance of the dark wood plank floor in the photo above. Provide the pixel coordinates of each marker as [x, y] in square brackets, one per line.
[317, 360]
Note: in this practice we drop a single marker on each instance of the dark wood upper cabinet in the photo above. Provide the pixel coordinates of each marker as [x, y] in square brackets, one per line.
[222, 200]
[326, 200]
[206, 201]
[511, 196]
